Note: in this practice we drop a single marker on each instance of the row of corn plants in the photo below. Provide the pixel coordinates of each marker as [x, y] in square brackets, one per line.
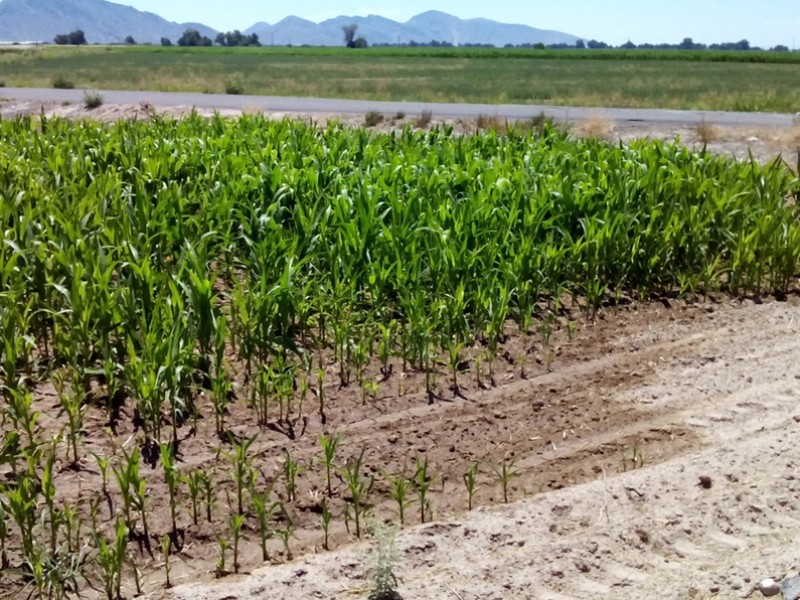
[178, 266]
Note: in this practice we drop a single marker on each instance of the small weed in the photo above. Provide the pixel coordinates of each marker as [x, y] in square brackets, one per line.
[485, 122]
[60, 82]
[399, 115]
[424, 120]
[92, 100]
[373, 118]
[383, 581]
[705, 132]
[595, 127]
[234, 89]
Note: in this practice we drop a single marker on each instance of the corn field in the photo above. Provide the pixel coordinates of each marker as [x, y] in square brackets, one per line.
[167, 272]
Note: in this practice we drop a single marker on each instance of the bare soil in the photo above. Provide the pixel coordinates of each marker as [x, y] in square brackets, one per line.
[707, 393]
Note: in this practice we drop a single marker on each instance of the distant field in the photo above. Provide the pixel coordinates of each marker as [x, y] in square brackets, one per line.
[744, 81]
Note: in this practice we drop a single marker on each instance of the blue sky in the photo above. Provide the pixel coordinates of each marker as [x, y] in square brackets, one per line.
[764, 23]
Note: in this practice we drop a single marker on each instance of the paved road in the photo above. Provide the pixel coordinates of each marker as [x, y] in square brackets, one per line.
[340, 106]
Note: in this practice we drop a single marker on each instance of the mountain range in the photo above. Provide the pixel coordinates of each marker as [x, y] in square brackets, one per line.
[423, 28]
[107, 22]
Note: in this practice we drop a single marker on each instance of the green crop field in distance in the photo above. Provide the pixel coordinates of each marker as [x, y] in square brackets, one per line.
[743, 81]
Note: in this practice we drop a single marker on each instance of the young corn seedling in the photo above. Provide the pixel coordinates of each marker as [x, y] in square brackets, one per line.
[264, 510]
[222, 546]
[241, 464]
[194, 481]
[20, 504]
[400, 487]
[210, 497]
[423, 482]
[291, 469]
[48, 490]
[110, 559]
[386, 348]
[321, 393]
[262, 393]
[326, 516]
[329, 445]
[505, 472]
[221, 385]
[4, 536]
[286, 533]
[359, 487]
[166, 550]
[103, 463]
[235, 524]
[133, 490]
[470, 482]
[172, 477]
[72, 404]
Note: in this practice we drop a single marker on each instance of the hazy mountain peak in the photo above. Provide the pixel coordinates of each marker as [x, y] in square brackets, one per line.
[103, 22]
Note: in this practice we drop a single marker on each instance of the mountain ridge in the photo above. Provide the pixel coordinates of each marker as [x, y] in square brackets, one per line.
[432, 25]
[101, 21]
[104, 21]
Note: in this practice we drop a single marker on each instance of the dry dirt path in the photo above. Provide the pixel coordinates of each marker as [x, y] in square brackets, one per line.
[566, 114]
[725, 375]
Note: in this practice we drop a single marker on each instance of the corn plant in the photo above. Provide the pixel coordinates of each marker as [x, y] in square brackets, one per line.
[110, 559]
[241, 466]
[291, 469]
[235, 524]
[264, 509]
[505, 472]
[423, 481]
[194, 481]
[133, 489]
[103, 463]
[471, 482]
[325, 517]
[172, 478]
[400, 487]
[166, 550]
[329, 445]
[4, 536]
[222, 547]
[359, 485]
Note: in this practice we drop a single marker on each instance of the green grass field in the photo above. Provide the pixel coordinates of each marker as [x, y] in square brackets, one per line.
[744, 81]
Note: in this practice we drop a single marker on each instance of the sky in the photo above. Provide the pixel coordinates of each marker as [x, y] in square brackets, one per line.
[763, 22]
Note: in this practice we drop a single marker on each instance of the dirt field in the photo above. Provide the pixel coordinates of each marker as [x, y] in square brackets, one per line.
[610, 424]
[707, 390]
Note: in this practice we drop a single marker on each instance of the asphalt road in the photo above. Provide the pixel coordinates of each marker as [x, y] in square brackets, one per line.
[342, 106]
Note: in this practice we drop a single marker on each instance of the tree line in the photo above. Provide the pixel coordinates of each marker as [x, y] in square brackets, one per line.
[235, 38]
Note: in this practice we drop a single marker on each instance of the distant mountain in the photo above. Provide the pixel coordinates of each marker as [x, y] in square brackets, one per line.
[101, 21]
[107, 22]
[425, 27]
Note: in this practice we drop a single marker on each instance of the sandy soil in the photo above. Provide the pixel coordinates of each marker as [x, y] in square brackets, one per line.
[711, 391]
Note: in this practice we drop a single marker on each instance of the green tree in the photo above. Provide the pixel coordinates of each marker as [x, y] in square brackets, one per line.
[192, 37]
[74, 38]
[350, 39]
